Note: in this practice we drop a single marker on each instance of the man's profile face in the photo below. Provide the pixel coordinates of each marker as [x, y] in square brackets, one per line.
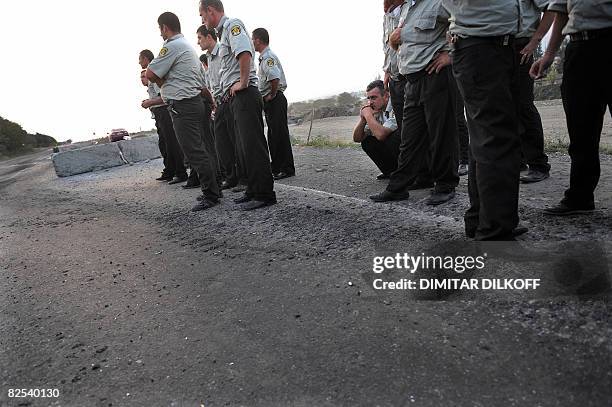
[208, 17]
[163, 31]
[378, 101]
[202, 42]
[143, 79]
[143, 62]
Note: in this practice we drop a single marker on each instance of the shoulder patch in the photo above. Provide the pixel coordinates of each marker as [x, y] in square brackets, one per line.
[236, 30]
[163, 52]
[270, 62]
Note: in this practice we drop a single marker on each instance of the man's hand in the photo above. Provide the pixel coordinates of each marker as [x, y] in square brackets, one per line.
[387, 79]
[539, 67]
[146, 104]
[528, 51]
[269, 97]
[237, 87]
[440, 60]
[366, 111]
[395, 39]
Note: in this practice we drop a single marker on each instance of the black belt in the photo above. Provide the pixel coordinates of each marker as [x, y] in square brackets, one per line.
[502, 40]
[591, 35]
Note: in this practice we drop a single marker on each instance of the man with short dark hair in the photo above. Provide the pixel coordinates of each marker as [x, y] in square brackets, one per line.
[377, 129]
[174, 161]
[178, 71]
[239, 85]
[272, 85]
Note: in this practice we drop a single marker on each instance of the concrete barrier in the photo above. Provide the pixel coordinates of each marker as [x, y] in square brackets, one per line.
[87, 159]
[140, 149]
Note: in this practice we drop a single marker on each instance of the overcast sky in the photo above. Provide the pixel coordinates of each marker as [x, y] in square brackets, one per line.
[70, 67]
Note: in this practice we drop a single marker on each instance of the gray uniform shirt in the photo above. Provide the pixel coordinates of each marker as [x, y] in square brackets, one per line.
[423, 34]
[531, 14]
[154, 92]
[484, 18]
[214, 72]
[386, 118]
[390, 23]
[178, 64]
[584, 15]
[270, 68]
[234, 41]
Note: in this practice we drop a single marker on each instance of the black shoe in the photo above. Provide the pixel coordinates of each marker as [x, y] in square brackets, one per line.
[239, 188]
[440, 197]
[282, 175]
[228, 185]
[201, 197]
[203, 205]
[463, 170]
[243, 199]
[177, 180]
[420, 185]
[563, 209]
[383, 176]
[518, 231]
[191, 184]
[387, 196]
[165, 177]
[534, 176]
[252, 204]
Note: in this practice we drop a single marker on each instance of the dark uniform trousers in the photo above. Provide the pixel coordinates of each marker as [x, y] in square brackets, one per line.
[429, 125]
[208, 137]
[172, 154]
[246, 107]
[530, 122]
[396, 91]
[586, 91]
[230, 161]
[383, 153]
[462, 131]
[486, 73]
[192, 128]
[279, 140]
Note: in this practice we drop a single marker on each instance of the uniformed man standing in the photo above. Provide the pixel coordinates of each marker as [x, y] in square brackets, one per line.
[239, 83]
[429, 123]
[394, 81]
[174, 166]
[533, 29]
[485, 66]
[272, 85]
[586, 91]
[225, 138]
[178, 71]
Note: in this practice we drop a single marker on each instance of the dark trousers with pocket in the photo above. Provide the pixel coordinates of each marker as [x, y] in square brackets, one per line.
[279, 140]
[383, 153]
[230, 161]
[586, 91]
[192, 128]
[174, 160]
[530, 122]
[396, 91]
[429, 126]
[247, 107]
[462, 131]
[486, 70]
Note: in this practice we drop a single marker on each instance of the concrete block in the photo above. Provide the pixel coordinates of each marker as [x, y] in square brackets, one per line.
[87, 159]
[140, 149]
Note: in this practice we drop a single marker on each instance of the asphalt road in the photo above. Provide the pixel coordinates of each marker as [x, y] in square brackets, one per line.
[114, 294]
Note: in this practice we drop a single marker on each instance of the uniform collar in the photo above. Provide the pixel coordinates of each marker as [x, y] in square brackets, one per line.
[222, 23]
[215, 50]
[175, 37]
[264, 54]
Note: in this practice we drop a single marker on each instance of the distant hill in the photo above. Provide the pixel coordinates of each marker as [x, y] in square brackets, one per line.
[15, 140]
